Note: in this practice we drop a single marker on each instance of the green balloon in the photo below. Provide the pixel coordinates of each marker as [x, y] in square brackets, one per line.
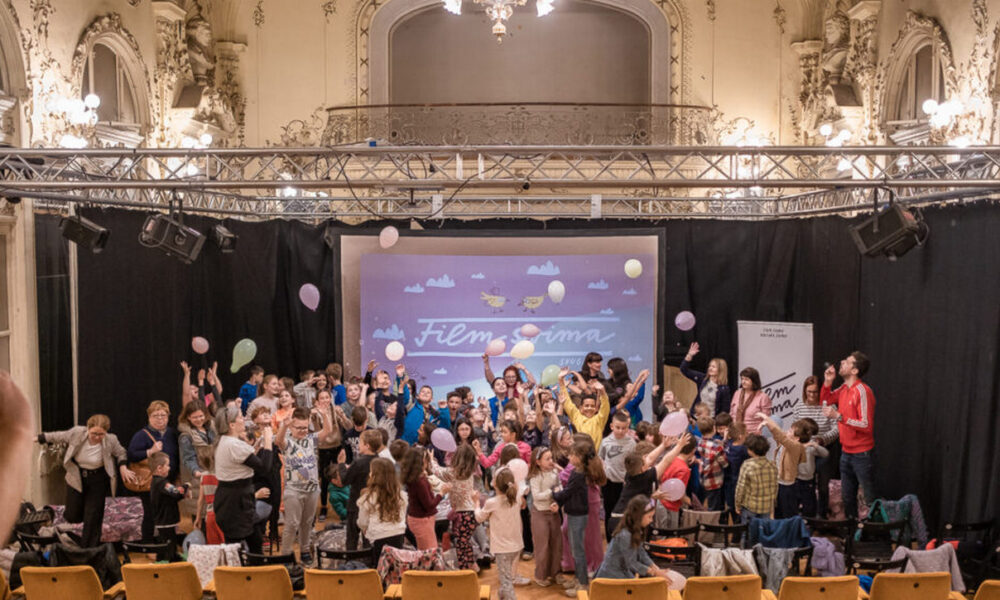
[243, 353]
[550, 375]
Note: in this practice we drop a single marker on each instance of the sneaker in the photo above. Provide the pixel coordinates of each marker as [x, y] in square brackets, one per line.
[527, 556]
[521, 580]
[266, 548]
[570, 583]
[306, 560]
[542, 582]
[571, 592]
[322, 514]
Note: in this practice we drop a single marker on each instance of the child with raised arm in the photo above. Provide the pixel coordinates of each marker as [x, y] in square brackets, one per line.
[594, 409]
[302, 491]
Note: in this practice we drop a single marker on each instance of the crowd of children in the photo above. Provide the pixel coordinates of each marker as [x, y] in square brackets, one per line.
[549, 474]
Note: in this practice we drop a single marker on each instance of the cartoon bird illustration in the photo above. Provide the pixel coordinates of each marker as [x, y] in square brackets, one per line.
[530, 303]
[494, 301]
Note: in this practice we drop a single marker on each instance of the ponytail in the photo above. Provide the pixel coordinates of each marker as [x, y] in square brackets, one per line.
[504, 483]
[593, 468]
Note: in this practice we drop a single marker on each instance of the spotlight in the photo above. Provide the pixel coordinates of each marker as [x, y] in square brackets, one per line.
[171, 236]
[84, 232]
[224, 239]
[890, 233]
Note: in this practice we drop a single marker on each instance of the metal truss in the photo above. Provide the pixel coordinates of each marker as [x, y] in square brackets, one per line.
[421, 182]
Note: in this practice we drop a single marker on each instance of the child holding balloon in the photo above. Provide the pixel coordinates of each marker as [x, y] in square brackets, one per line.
[643, 472]
[668, 511]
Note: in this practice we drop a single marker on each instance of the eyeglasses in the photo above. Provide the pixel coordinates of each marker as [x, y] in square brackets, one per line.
[812, 392]
[303, 428]
[159, 415]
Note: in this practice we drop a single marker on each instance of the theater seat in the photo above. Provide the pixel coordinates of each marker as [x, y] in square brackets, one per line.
[820, 588]
[913, 586]
[734, 587]
[174, 581]
[651, 588]
[343, 585]
[988, 590]
[65, 583]
[252, 583]
[443, 585]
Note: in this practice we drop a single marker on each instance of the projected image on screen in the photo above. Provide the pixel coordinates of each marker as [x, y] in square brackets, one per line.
[444, 310]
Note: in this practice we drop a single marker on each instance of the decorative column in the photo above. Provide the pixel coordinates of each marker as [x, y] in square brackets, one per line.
[228, 57]
[811, 94]
[862, 67]
[172, 67]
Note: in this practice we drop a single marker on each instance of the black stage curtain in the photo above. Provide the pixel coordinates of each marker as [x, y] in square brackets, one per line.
[930, 322]
[55, 344]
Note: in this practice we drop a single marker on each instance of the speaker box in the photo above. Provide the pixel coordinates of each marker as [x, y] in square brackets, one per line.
[892, 232]
[171, 236]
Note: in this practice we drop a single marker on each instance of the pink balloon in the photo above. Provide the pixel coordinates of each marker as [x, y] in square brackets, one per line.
[673, 489]
[519, 469]
[199, 344]
[388, 237]
[309, 295]
[674, 424]
[529, 331]
[443, 440]
[496, 347]
[684, 320]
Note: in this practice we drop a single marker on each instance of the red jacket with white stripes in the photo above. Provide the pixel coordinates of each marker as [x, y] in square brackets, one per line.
[856, 405]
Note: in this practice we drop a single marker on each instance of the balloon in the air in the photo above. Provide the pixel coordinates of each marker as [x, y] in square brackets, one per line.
[684, 320]
[443, 440]
[388, 237]
[633, 268]
[496, 347]
[529, 330]
[550, 375]
[243, 352]
[557, 291]
[199, 344]
[674, 424]
[394, 351]
[309, 295]
[522, 350]
[673, 489]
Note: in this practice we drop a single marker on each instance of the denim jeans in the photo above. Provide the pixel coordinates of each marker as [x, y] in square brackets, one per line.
[856, 469]
[577, 526]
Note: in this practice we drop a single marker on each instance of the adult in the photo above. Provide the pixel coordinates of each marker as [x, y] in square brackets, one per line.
[713, 384]
[235, 464]
[623, 393]
[93, 460]
[826, 467]
[156, 436]
[513, 374]
[196, 439]
[852, 405]
[750, 400]
[209, 395]
[591, 369]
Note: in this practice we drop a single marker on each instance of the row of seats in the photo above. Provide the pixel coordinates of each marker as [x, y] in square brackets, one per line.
[179, 581]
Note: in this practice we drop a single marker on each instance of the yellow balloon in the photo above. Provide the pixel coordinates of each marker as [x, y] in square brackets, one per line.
[243, 352]
[633, 268]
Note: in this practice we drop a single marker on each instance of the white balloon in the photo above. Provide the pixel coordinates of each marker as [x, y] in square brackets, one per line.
[388, 237]
[557, 291]
[522, 350]
[633, 268]
[394, 351]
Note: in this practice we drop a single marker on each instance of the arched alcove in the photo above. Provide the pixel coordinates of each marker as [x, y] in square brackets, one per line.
[584, 52]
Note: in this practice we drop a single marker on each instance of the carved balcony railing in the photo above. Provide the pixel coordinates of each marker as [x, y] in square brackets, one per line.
[529, 123]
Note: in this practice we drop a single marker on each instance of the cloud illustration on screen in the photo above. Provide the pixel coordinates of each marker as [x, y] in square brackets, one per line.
[416, 288]
[630, 292]
[441, 282]
[634, 358]
[607, 311]
[477, 276]
[548, 269]
[393, 332]
[441, 371]
[597, 285]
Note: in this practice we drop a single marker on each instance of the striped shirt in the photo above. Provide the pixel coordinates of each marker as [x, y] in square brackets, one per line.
[827, 426]
[757, 487]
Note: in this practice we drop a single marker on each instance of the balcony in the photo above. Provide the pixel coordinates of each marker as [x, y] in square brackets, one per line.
[522, 124]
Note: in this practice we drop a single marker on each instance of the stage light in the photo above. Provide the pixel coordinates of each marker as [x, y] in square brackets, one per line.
[526, 185]
[890, 233]
[826, 130]
[224, 239]
[172, 236]
[84, 232]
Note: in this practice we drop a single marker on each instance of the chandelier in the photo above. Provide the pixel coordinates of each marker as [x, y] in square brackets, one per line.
[499, 11]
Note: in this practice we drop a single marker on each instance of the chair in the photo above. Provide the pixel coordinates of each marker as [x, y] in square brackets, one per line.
[437, 585]
[732, 535]
[988, 590]
[249, 559]
[686, 560]
[651, 588]
[65, 583]
[875, 565]
[174, 581]
[797, 557]
[341, 556]
[30, 542]
[875, 540]
[343, 585]
[252, 583]
[688, 533]
[974, 568]
[165, 551]
[734, 587]
[841, 530]
[819, 588]
[913, 586]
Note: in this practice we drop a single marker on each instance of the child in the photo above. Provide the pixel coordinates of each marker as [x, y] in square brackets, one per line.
[736, 453]
[594, 408]
[791, 452]
[626, 558]
[286, 404]
[382, 508]
[613, 451]
[642, 472]
[352, 437]
[163, 499]
[357, 479]
[574, 500]
[301, 494]
[543, 479]
[668, 512]
[334, 376]
[206, 496]
[338, 494]
[723, 421]
[421, 511]
[504, 514]
[464, 467]
[758, 483]
[805, 484]
[712, 463]
[398, 449]
[248, 391]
